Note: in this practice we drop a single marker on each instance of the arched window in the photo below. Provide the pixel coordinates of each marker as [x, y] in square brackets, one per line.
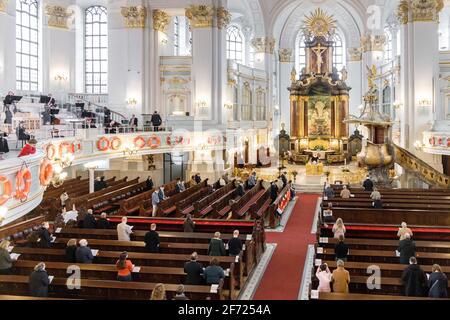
[388, 46]
[339, 50]
[27, 44]
[96, 50]
[260, 104]
[176, 36]
[235, 44]
[246, 104]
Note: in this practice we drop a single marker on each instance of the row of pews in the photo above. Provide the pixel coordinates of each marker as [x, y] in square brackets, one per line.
[98, 280]
[371, 235]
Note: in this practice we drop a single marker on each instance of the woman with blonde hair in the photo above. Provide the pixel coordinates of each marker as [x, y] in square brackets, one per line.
[71, 249]
[338, 228]
[159, 292]
[5, 258]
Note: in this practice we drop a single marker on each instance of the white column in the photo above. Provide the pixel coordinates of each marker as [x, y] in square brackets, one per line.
[91, 179]
[7, 47]
[355, 81]
[286, 65]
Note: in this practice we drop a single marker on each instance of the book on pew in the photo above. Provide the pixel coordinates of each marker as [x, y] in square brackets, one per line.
[319, 250]
[318, 262]
[94, 252]
[214, 288]
[136, 269]
[14, 256]
[53, 239]
[397, 254]
[315, 294]
[227, 272]
[50, 279]
[58, 230]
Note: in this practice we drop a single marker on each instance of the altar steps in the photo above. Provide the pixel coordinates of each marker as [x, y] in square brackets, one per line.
[309, 188]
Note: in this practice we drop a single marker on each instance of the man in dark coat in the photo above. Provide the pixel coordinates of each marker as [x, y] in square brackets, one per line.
[197, 178]
[216, 246]
[284, 179]
[84, 253]
[341, 249]
[235, 244]
[45, 238]
[194, 271]
[407, 249]
[151, 239]
[273, 191]
[89, 220]
[103, 222]
[368, 184]
[414, 279]
[156, 121]
[437, 283]
[103, 184]
[240, 191]
[39, 281]
[149, 183]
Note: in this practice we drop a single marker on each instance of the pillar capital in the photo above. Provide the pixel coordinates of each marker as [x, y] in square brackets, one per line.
[419, 11]
[135, 16]
[57, 16]
[223, 17]
[200, 16]
[264, 44]
[285, 55]
[372, 42]
[3, 4]
[354, 54]
[160, 20]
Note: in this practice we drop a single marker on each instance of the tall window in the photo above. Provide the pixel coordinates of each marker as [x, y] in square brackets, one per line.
[387, 100]
[338, 52]
[388, 46]
[235, 44]
[27, 52]
[246, 104]
[260, 104]
[176, 36]
[96, 50]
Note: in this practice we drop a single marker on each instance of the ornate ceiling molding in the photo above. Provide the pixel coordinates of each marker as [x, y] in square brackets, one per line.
[419, 11]
[57, 16]
[3, 4]
[285, 55]
[160, 20]
[264, 45]
[200, 16]
[135, 16]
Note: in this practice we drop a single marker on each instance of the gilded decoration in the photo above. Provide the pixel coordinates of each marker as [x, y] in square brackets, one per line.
[135, 16]
[58, 16]
[200, 16]
[419, 10]
[223, 17]
[373, 42]
[403, 12]
[264, 45]
[285, 55]
[160, 20]
[319, 24]
[354, 54]
[3, 4]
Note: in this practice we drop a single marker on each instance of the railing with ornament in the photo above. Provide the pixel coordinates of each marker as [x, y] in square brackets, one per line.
[426, 172]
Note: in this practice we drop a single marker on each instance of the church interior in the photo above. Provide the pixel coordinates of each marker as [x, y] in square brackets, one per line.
[193, 149]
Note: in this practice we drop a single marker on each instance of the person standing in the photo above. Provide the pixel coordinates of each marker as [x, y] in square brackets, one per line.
[45, 239]
[156, 121]
[194, 271]
[324, 275]
[284, 179]
[341, 249]
[437, 283]
[340, 278]
[89, 220]
[5, 258]
[407, 249]
[273, 191]
[240, 190]
[124, 230]
[71, 250]
[64, 197]
[103, 222]
[214, 272]
[83, 252]
[133, 123]
[197, 178]
[251, 182]
[338, 228]
[161, 194]
[151, 240]
[328, 192]
[368, 184]
[403, 230]
[155, 202]
[235, 244]
[38, 282]
[124, 268]
[414, 279]
[216, 246]
[8, 115]
[149, 183]
[345, 193]
[188, 224]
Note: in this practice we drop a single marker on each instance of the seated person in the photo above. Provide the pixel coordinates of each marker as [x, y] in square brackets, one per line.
[21, 132]
[213, 273]
[345, 193]
[378, 204]
[328, 214]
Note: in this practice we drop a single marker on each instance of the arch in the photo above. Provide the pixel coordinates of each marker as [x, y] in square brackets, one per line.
[235, 44]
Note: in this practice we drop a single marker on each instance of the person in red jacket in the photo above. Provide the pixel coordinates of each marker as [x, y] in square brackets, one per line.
[29, 148]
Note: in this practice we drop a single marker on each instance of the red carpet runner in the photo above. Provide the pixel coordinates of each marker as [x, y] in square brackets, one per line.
[281, 280]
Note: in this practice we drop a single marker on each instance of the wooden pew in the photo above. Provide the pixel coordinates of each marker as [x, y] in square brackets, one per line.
[272, 218]
[261, 206]
[388, 205]
[106, 289]
[186, 206]
[169, 206]
[240, 208]
[11, 297]
[372, 297]
[146, 203]
[164, 275]
[19, 230]
[205, 206]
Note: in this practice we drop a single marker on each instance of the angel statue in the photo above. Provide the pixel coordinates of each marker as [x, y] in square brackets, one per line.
[293, 75]
[371, 75]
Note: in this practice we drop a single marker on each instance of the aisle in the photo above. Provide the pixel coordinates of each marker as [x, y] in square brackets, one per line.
[281, 280]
